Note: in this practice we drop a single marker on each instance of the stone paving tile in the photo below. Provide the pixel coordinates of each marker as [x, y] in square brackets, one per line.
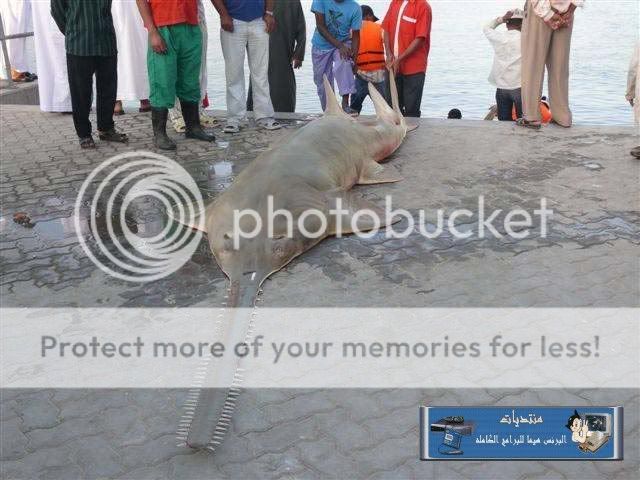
[588, 259]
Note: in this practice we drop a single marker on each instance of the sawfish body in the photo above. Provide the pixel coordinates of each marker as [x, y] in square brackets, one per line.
[312, 169]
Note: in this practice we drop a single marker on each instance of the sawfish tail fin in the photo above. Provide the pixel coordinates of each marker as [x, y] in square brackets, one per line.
[332, 105]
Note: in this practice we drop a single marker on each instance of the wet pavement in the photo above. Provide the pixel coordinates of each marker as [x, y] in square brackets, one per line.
[588, 259]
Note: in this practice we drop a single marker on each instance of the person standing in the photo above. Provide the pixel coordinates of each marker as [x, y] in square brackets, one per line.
[546, 41]
[633, 91]
[16, 19]
[335, 43]
[51, 64]
[90, 42]
[407, 37]
[245, 27]
[286, 53]
[173, 63]
[370, 63]
[133, 81]
[505, 74]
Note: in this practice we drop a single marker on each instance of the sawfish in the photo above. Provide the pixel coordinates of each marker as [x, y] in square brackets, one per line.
[314, 168]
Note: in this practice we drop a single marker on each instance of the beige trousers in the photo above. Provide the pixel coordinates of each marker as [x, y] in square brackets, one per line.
[542, 46]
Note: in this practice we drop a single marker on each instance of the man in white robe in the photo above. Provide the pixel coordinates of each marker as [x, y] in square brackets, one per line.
[133, 43]
[16, 19]
[633, 91]
[51, 60]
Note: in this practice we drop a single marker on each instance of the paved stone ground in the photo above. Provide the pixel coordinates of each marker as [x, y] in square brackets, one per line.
[588, 259]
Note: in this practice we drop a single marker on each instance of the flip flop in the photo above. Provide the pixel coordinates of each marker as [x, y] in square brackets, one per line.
[271, 124]
[521, 122]
[87, 143]
[113, 136]
[231, 128]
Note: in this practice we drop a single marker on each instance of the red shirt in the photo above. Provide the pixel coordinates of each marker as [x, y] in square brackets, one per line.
[174, 12]
[415, 22]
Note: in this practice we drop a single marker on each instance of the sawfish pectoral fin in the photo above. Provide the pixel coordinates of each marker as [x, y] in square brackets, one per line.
[357, 213]
[332, 105]
[376, 173]
[188, 215]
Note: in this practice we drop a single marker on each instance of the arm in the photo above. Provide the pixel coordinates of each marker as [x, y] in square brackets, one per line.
[355, 44]
[155, 40]
[269, 21]
[345, 52]
[300, 38]
[489, 29]
[59, 14]
[226, 22]
[632, 77]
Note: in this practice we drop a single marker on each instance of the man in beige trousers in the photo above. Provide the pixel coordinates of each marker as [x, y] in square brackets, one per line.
[546, 41]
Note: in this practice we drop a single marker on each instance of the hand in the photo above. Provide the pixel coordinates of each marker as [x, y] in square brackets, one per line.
[226, 22]
[157, 42]
[631, 102]
[389, 61]
[507, 16]
[555, 22]
[297, 63]
[567, 19]
[345, 51]
[270, 23]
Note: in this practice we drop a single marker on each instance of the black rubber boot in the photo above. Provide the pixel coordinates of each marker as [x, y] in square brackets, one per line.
[191, 115]
[159, 121]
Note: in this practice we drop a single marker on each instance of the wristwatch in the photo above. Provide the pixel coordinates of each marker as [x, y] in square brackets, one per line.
[268, 12]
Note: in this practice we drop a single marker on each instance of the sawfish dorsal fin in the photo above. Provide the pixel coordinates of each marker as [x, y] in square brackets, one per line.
[332, 105]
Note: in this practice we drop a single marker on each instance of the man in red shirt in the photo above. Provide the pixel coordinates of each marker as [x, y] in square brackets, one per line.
[407, 39]
[173, 63]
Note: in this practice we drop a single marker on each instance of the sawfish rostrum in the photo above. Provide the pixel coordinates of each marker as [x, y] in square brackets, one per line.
[313, 169]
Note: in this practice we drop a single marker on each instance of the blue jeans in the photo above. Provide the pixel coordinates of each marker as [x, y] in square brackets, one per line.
[362, 90]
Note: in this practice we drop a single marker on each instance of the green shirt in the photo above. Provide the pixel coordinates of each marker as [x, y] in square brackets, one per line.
[87, 26]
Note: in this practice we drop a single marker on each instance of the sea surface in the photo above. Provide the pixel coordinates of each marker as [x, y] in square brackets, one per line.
[604, 36]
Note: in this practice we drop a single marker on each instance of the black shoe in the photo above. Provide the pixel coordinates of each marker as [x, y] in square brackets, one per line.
[112, 135]
[191, 115]
[159, 121]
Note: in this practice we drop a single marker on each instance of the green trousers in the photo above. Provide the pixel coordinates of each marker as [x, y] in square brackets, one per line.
[176, 73]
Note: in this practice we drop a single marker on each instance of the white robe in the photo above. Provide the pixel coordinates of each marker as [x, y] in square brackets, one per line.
[633, 83]
[51, 60]
[16, 18]
[133, 41]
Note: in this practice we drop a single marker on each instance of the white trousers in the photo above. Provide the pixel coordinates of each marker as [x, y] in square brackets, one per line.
[252, 38]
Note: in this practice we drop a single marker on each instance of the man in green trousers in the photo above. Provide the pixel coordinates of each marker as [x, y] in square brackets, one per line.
[173, 63]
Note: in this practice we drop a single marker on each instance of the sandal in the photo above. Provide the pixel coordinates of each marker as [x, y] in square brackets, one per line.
[30, 76]
[521, 122]
[145, 106]
[231, 128]
[113, 136]
[87, 143]
[270, 124]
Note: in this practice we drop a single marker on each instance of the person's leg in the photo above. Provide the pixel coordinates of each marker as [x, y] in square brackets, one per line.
[558, 75]
[322, 65]
[504, 103]
[412, 92]
[106, 90]
[361, 93]
[400, 88]
[258, 56]
[80, 71]
[345, 81]
[516, 95]
[189, 53]
[234, 45]
[163, 72]
[536, 36]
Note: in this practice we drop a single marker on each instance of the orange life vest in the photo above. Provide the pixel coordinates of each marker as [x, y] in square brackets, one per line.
[371, 52]
[545, 113]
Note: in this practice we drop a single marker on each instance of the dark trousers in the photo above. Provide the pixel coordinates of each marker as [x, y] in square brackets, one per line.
[81, 71]
[505, 100]
[362, 90]
[410, 93]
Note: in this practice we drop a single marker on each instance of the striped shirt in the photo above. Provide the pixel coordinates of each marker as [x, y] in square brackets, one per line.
[87, 26]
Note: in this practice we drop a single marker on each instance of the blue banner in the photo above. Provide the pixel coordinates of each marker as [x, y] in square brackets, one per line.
[511, 433]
